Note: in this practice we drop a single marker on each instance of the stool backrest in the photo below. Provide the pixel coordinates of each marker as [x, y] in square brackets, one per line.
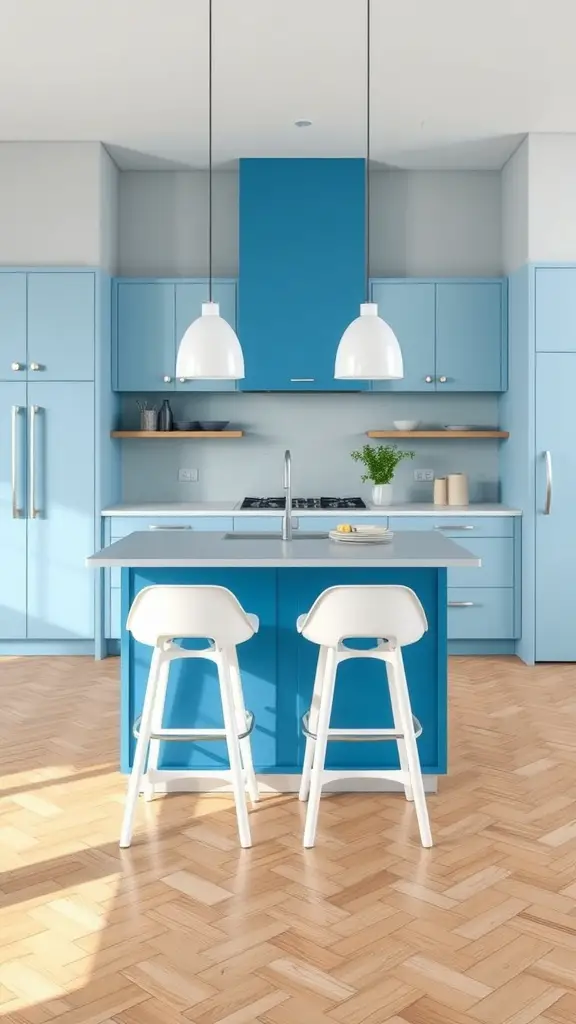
[161, 612]
[386, 612]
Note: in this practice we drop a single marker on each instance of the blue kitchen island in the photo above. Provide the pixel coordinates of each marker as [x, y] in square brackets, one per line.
[278, 581]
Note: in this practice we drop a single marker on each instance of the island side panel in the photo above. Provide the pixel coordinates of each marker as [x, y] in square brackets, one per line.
[278, 670]
[361, 696]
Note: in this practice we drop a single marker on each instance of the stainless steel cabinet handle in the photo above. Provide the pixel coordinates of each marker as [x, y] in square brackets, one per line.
[34, 511]
[460, 604]
[34, 366]
[167, 379]
[302, 380]
[17, 512]
[17, 366]
[428, 379]
[170, 527]
[548, 502]
[182, 380]
[443, 380]
[455, 527]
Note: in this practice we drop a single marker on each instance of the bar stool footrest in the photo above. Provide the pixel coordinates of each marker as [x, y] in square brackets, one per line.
[361, 735]
[194, 735]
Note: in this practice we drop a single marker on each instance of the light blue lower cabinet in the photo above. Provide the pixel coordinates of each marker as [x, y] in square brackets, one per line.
[482, 613]
[481, 601]
[117, 527]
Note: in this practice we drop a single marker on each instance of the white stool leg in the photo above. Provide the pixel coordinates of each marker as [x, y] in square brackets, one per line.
[401, 744]
[325, 711]
[312, 724]
[405, 711]
[134, 783]
[157, 719]
[240, 709]
[233, 745]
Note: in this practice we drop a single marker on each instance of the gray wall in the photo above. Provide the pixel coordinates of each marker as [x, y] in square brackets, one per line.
[424, 223]
[163, 224]
[320, 430]
[515, 210]
[57, 204]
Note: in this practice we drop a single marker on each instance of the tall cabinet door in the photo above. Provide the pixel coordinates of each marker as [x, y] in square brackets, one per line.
[409, 308]
[12, 326]
[189, 298]
[13, 511]
[61, 510]
[555, 504]
[61, 324]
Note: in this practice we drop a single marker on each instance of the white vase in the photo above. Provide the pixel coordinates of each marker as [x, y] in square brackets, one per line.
[382, 494]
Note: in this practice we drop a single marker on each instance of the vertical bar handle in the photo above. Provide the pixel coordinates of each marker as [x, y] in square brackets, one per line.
[548, 501]
[35, 512]
[17, 512]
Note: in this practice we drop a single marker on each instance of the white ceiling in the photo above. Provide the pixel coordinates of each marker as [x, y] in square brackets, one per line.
[455, 83]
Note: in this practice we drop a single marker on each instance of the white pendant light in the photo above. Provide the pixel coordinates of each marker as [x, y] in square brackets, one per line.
[210, 349]
[368, 349]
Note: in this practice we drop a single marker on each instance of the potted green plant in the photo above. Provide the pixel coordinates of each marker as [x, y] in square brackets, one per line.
[381, 462]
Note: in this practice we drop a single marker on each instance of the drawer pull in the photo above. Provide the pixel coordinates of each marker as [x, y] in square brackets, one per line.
[455, 527]
[461, 604]
[302, 380]
[170, 527]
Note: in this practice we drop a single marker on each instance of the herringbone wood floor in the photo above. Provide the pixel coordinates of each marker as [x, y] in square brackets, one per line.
[366, 928]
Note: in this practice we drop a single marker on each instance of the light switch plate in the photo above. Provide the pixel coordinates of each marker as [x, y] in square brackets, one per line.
[188, 476]
[423, 474]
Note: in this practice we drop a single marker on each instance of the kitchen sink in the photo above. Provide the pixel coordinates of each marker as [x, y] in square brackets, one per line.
[255, 535]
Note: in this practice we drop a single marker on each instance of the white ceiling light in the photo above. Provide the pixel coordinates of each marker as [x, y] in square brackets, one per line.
[210, 349]
[368, 349]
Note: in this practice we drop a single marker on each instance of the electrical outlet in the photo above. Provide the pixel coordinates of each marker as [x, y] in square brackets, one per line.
[423, 474]
[188, 476]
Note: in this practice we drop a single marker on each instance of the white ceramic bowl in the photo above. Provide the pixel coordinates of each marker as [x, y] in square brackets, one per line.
[406, 424]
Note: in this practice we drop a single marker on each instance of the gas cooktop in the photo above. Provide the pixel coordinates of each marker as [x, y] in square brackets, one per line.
[302, 503]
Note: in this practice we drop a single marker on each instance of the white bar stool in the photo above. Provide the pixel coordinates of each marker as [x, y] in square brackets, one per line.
[393, 614]
[158, 616]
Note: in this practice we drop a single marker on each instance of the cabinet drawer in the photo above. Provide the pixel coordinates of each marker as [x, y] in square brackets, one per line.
[121, 526]
[480, 613]
[458, 527]
[323, 524]
[497, 569]
[261, 524]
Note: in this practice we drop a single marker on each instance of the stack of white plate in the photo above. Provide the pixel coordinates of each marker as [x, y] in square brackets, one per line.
[363, 535]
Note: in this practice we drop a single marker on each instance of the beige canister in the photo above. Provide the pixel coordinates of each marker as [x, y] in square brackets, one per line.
[457, 486]
[440, 491]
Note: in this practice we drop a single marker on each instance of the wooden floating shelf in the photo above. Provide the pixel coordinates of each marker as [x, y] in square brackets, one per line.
[175, 434]
[438, 433]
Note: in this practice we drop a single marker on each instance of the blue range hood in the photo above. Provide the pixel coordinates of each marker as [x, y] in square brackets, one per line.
[302, 269]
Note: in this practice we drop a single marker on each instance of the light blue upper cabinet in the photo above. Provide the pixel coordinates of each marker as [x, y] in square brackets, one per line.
[409, 308]
[302, 261]
[189, 298]
[145, 332]
[556, 309]
[61, 309]
[470, 336]
[12, 326]
[61, 510]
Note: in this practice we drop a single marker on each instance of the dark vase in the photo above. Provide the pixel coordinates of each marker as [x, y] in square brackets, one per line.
[165, 417]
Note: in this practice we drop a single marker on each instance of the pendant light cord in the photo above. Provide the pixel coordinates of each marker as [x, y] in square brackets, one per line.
[210, 150]
[367, 182]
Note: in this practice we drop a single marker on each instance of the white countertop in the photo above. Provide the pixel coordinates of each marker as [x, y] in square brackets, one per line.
[228, 508]
[164, 549]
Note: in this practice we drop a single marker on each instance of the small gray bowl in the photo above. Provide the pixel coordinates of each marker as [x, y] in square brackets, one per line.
[185, 425]
[213, 424]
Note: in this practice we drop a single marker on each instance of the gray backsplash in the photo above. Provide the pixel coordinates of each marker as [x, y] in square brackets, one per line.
[321, 430]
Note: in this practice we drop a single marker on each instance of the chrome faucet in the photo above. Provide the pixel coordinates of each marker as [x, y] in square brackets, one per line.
[287, 520]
